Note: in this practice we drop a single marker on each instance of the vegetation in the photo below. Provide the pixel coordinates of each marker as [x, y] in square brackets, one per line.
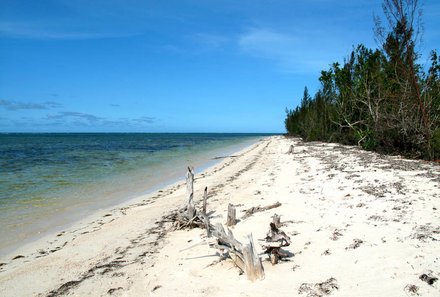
[380, 99]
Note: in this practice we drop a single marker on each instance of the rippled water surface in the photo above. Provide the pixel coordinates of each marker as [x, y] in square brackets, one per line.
[48, 180]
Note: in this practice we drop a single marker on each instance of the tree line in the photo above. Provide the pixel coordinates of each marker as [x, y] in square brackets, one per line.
[381, 99]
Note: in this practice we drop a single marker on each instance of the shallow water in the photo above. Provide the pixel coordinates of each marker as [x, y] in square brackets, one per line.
[50, 180]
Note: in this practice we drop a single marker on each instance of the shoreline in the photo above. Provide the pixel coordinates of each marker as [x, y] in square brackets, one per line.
[131, 187]
[29, 247]
[331, 196]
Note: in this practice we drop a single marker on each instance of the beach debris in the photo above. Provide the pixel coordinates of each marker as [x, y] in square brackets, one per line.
[356, 243]
[425, 232]
[224, 157]
[274, 241]
[190, 207]
[231, 219]
[428, 278]
[319, 289]
[244, 256]
[205, 200]
[411, 290]
[156, 287]
[112, 290]
[336, 234]
[256, 209]
[276, 219]
[18, 257]
[378, 218]
[326, 252]
[188, 216]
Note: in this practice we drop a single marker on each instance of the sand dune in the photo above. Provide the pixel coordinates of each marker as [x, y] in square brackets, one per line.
[361, 224]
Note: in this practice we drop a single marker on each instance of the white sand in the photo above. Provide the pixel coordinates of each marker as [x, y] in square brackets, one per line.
[332, 197]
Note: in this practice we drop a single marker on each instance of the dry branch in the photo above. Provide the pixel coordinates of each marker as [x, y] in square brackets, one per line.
[277, 220]
[205, 198]
[254, 209]
[244, 256]
[190, 207]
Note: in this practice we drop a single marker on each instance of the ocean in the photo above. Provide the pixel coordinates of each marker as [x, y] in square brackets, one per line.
[50, 180]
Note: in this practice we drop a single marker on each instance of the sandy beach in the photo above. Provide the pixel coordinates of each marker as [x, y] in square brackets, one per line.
[360, 224]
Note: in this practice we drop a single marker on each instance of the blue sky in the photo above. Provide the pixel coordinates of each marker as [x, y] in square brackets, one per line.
[173, 66]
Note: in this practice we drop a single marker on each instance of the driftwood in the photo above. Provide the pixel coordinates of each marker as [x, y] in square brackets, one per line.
[204, 215]
[244, 256]
[231, 219]
[254, 209]
[205, 200]
[190, 207]
[188, 216]
[428, 278]
[275, 239]
[277, 220]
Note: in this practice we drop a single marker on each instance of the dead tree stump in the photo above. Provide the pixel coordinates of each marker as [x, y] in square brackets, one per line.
[231, 220]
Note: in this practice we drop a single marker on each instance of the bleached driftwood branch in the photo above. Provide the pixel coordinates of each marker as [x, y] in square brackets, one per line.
[188, 216]
[190, 207]
[277, 220]
[244, 256]
[231, 219]
[255, 209]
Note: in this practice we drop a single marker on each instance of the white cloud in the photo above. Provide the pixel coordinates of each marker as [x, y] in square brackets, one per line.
[301, 51]
[291, 53]
[268, 44]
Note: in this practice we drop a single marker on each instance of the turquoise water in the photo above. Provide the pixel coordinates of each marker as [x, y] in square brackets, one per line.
[50, 180]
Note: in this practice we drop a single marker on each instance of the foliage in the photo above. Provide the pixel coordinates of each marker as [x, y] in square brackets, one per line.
[380, 99]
